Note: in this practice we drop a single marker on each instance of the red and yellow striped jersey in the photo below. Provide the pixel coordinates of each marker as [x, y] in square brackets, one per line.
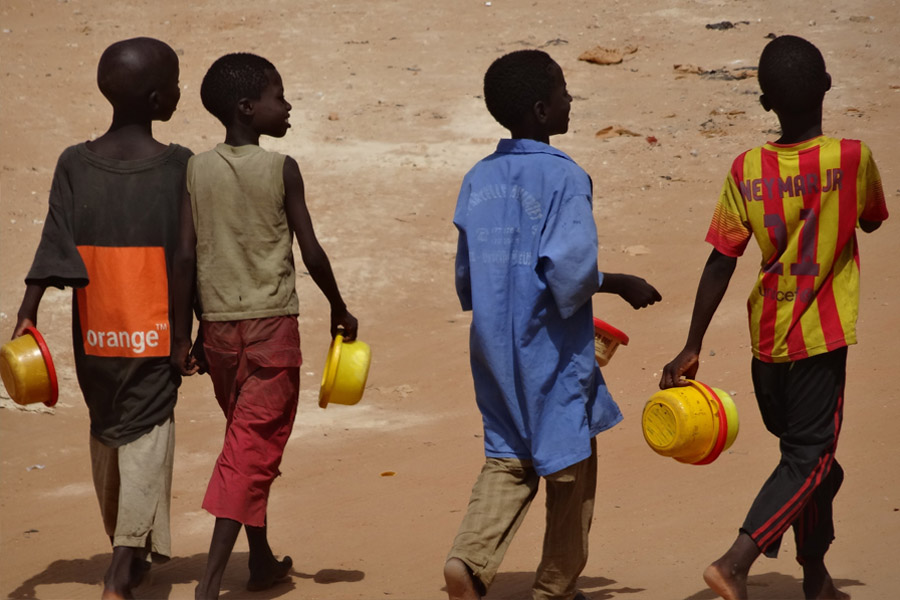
[802, 203]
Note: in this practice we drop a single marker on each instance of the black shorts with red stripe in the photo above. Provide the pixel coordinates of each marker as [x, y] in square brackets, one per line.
[801, 403]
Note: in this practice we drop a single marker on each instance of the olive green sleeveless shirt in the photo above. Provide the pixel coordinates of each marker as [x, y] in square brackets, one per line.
[245, 265]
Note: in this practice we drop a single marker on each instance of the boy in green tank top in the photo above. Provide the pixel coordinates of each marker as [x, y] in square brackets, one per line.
[241, 209]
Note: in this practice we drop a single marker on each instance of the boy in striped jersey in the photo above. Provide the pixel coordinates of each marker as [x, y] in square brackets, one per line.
[801, 198]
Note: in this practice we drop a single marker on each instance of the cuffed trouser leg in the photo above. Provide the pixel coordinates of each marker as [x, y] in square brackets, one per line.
[570, 510]
[499, 501]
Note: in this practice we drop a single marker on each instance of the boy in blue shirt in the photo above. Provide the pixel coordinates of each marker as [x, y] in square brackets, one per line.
[526, 267]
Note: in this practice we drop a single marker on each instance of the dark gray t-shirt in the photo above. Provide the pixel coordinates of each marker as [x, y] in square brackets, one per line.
[110, 233]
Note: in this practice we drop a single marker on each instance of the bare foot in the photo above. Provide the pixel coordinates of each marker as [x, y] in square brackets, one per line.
[460, 585]
[818, 585]
[267, 576]
[724, 582]
[110, 594]
[830, 592]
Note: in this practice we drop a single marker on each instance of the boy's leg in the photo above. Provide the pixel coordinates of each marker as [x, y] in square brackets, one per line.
[498, 504]
[133, 485]
[261, 357]
[145, 470]
[254, 366]
[570, 509]
[119, 579]
[265, 569]
[727, 576]
[813, 533]
[223, 538]
[802, 403]
[105, 472]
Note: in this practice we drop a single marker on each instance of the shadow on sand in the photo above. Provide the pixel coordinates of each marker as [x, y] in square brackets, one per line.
[515, 586]
[775, 586]
[179, 570]
[765, 586]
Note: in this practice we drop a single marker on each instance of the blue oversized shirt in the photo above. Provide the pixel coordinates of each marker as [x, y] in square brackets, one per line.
[526, 266]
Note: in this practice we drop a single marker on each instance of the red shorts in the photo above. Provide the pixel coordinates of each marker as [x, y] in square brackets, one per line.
[255, 369]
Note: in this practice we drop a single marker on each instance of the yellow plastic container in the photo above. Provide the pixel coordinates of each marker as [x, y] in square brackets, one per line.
[26, 368]
[692, 424]
[606, 339]
[345, 373]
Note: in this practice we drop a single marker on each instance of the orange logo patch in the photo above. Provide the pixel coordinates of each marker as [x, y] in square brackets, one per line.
[124, 310]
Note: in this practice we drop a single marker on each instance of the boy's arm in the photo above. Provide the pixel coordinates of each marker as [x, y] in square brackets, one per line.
[634, 290]
[314, 257]
[713, 283]
[27, 316]
[184, 272]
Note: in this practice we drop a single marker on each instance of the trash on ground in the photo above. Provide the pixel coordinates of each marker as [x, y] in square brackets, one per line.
[614, 131]
[723, 25]
[600, 55]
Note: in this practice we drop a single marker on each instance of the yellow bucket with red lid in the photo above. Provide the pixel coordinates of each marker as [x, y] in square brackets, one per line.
[26, 368]
[693, 424]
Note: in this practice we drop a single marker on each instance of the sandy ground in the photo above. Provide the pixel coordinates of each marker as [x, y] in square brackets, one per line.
[387, 118]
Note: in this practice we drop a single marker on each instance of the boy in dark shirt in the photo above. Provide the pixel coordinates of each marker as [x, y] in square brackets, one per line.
[110, 234]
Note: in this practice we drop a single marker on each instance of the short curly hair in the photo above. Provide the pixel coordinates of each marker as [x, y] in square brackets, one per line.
[231, 78]
[792, 75]
[515, 82]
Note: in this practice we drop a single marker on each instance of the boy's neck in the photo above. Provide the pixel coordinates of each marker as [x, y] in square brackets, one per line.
[127, 139]
[239, 134]
[527, 134]
[800, 128]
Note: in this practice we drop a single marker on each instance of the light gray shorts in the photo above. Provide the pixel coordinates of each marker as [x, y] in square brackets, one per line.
[134, 488]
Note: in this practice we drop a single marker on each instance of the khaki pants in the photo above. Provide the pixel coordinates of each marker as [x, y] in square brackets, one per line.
[134, 487]
[498, 504]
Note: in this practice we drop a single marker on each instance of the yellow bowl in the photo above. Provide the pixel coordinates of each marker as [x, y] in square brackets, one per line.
[345, 373]
[27, 369]
[693, 424]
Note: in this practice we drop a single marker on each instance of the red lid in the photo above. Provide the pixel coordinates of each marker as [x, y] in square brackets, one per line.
[51, 371]
[723, 424]
[609, 329]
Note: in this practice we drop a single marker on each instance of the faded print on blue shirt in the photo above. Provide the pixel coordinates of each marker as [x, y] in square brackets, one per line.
[526, 266]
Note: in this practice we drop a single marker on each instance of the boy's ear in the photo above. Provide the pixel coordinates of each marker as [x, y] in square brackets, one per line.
[245, 106]
[765, 102]
[540, 111]
[153, 100]
[827, 81]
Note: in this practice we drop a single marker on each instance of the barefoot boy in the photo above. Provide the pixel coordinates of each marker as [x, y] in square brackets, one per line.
[526, 266]
[242, 207]
[801, 198]
[111, 233]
